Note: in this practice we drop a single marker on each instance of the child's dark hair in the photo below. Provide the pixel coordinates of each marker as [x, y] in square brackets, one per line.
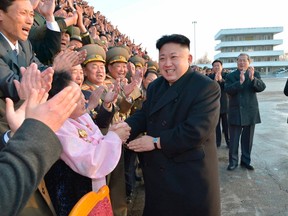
[152, 72]
[60, 81]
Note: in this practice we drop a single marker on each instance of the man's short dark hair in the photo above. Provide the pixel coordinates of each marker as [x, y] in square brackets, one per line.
[5, 4]
[217, 60]
[174, 38]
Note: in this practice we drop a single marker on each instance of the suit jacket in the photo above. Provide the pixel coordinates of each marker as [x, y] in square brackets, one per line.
[182, 177]
[243, 103]
[45, 42]
[24, 161]
[224, 100]
[10, 67]
[39, 203]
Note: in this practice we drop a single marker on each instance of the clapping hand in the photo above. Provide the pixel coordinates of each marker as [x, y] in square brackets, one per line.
[111, 94]
[251, 72]
[242, 76]
[95, 98]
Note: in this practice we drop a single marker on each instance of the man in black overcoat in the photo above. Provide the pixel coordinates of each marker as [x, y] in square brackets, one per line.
[178, 155]
[242, 86]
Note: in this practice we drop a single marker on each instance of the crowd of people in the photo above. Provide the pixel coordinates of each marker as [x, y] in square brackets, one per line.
[82, 105]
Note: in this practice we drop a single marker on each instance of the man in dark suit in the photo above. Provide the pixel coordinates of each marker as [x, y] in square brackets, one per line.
[27, 156]
[16, 19]
[178, 154]
[218, 75]
[242, 86]
[16, 51]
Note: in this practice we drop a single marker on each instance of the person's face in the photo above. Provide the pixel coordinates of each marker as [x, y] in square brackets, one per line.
[150, 77]
[118, 70]
[80, 108]
[104, 40]
[95, 72]
[209, 71]
[243, 62]
[16, 23]
[75, 43]
[77, 74]
[217, 67]
[174, 61]
[65, 39]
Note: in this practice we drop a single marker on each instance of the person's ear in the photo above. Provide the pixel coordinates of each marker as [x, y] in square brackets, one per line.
[190, 58]
[1, 15]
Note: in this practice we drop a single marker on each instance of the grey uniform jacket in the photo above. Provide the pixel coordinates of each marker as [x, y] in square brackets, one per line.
[23, 163]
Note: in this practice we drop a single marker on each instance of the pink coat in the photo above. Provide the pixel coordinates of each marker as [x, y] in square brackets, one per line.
[87, 151]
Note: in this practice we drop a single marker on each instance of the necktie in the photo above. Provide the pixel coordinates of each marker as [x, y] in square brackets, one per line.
[15, 53]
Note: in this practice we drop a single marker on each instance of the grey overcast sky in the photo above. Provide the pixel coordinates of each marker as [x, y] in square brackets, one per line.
[147, 20]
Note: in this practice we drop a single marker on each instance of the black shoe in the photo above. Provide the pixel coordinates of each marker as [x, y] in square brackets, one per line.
[232, 167]
[247, 166]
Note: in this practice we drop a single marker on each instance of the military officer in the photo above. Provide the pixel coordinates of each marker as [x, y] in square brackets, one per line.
[116, 63]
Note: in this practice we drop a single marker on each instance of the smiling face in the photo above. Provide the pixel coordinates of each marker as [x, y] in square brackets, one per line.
[16, 22]
[243, 62]
[174, 61]
[77, 74]
[118, 70]
[95, 72]
[148, 79]
[65, 39]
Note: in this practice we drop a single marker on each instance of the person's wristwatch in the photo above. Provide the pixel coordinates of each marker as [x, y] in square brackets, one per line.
[155, 141]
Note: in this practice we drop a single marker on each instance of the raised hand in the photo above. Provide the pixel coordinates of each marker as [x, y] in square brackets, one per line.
[242, 76]
[218, 76]
[128, 88]
[46, 9]
[251, 72]
[65, 60]
[94, 98]
[111, 94]
[56, 110]
[33, 78]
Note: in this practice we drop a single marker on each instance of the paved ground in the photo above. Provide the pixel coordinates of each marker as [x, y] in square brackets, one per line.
[263, 192]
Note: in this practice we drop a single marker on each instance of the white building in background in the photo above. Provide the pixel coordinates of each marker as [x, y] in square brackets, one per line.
[258, 43]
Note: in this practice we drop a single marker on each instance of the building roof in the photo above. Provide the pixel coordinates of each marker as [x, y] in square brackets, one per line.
[239, 31]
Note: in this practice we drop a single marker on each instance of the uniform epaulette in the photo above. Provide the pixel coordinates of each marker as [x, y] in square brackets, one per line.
[85, 87]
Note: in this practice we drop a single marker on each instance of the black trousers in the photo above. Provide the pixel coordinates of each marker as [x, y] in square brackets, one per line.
[223, 120]
[246, 134]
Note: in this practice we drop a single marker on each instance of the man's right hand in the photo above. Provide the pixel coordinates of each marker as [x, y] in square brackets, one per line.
[56, 110]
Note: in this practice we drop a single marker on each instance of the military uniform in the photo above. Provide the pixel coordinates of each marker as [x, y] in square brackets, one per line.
[101, 116]
[75, 34]
[152, 65]
[130, 157]
[116, 180]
